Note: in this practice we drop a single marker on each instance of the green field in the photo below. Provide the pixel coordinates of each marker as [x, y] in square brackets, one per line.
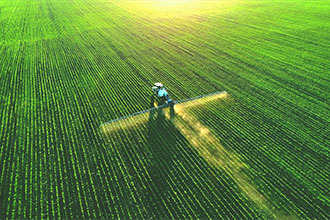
[260, 152]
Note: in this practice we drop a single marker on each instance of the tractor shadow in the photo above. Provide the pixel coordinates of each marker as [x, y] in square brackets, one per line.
[181, 182]
[161, 175]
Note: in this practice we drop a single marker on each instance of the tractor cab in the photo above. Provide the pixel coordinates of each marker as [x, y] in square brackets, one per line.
[159, 95]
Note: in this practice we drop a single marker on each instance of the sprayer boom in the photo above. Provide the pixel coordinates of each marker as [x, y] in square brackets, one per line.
[207, 97]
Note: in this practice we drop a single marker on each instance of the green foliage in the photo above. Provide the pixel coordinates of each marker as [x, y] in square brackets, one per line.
[68, 66]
